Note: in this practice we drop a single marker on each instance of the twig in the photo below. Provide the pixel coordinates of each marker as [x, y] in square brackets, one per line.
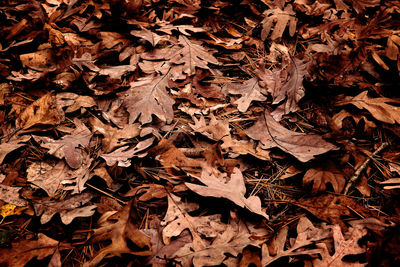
[354, 178]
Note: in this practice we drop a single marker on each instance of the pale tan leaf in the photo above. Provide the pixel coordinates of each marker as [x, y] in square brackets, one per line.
[283, 18]
[123, 154]
[9, 194]
[234, 190]
[149, 96]
[303, 146]
[307, 234]
[249, 91]
[348, 245]
[68, 209]
[378, 107]
[69, 146]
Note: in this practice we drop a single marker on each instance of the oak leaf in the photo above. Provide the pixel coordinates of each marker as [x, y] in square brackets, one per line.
[23, 251]
[149, 36]
[307, 234]
[292, 90]
[331, 208]
[234, 190]
[249, 91]
[68, 209]
[301, 145]
[321, 176]
[51, 177]
[120, 228]
[282, 18]
[378, 107]
[114, 137]
[69, 146]
[344, 245]
[11, 145]
[149, 96]
[191, 55]
[122, 155]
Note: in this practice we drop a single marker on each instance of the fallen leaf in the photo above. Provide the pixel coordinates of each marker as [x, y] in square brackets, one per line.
[307, 234]
[292, 90]
[120, 228]
[11, 145]
[40, 112]
[378, 107]
[233, 190]
[321, 176]
[149, 36]
[114, 137]
[23, 251]
[122, 155]
[69, 146]
[301, 145]
[192, 55]
[348, 245]
[282, 19]
[331, 208]
[149, 96]
[9, 194]
[249, 91]
[74, 102]
[69, 208]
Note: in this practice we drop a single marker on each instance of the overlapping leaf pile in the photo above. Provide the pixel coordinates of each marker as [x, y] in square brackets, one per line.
[204, 133]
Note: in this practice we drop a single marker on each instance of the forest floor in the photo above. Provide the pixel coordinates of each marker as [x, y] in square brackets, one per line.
[199, 133]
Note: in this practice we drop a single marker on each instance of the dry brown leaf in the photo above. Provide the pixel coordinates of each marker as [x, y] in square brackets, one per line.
[234, 190]
[120, 228]
[234, 238]
[219, 130]
[40, 60]
[249, 91]
[69, 146]
[330, 208]
[149, 96]
[292, 90]
[378, 107]
[271, 134]
[23, 251]
[9, 194]
[321, 176]
[192, 55]
[307, 234]
[149, 36]
[122, 155]
[114, 137]
[49, 177]
[11, 145]
[40, 112]
[282, 18]
[68, 209]
[73, 101]
[171, 157]
[344, 245]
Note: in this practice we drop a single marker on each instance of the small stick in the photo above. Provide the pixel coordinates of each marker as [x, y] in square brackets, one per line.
[354, 178]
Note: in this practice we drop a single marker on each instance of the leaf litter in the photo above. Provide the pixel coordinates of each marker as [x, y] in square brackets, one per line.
[199, 133]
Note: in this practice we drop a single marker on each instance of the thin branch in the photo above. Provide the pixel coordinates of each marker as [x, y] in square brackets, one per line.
[356, 175]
